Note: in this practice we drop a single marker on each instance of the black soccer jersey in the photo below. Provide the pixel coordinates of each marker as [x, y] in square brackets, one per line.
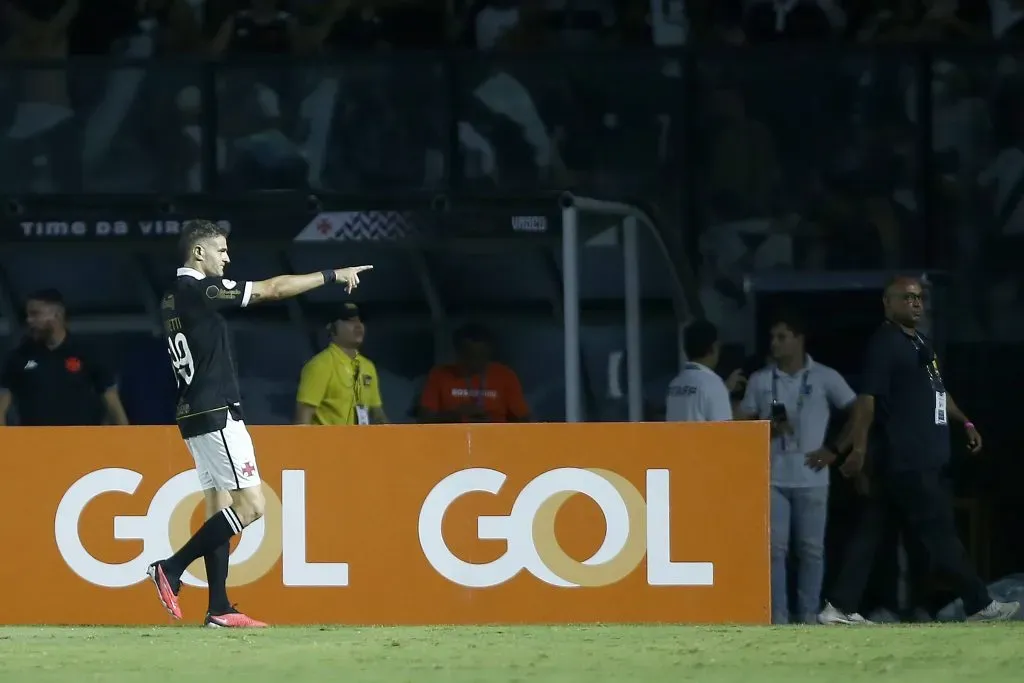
[200, 347]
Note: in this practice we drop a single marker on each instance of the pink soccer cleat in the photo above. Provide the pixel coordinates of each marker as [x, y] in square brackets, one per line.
[167, 592]
[232, 619]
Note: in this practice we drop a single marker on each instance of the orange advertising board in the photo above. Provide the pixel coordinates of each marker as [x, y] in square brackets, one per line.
[404, 524]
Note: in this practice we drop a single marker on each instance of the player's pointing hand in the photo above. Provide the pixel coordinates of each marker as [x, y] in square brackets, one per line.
[350, 276]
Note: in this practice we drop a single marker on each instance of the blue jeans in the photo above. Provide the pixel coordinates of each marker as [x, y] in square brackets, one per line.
[802, 511]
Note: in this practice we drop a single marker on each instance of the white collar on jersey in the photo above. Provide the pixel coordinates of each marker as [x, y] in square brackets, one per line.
[808, 366]
[700, 367]
[190, 272]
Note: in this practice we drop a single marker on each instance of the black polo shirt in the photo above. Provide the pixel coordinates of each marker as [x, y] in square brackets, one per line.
[61, 386]
[901, 372]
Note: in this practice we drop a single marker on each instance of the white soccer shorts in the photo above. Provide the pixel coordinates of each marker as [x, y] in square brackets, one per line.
[225, 459]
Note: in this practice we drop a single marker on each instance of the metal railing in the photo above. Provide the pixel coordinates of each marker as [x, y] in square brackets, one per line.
[633, 220]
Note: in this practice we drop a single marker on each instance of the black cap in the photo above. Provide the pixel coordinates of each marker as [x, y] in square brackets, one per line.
[348, 311]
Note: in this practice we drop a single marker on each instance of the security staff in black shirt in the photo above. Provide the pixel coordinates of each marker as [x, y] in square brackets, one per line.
[52, 378]
[902, 416]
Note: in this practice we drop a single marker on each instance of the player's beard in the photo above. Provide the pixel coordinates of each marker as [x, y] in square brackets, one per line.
[42, 334]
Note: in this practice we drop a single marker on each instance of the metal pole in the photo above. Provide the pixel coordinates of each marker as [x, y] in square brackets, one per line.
[631, 266]
[571, 311]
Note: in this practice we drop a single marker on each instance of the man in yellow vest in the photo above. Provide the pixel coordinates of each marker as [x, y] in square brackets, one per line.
[339, 385]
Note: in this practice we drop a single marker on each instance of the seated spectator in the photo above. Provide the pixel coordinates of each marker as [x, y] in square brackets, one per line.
[42, 128]
[921, 20]
[266, 27]
[99, 27]
[339, 385]
[792, 21]
[533, 24]
[667, 23]
[473, 388]
[741, 188]
[260, 105]
[708, 21]
[406, 24]
[502, 112]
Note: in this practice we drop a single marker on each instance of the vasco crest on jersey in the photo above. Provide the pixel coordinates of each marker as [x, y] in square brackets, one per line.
[215, 292]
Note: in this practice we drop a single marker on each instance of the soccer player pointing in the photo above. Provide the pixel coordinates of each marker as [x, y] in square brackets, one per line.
[209, 410]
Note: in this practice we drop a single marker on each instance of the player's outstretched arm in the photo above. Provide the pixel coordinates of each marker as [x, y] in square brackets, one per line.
[287, 286]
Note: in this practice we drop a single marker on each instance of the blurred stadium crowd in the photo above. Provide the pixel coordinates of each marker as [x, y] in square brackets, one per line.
[769, 161]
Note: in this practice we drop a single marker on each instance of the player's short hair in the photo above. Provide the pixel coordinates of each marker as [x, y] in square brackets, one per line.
[791, 319]
[197, 230]
[46, 296]
[699, 338]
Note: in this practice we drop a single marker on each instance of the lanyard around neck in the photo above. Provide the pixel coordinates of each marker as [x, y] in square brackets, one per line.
[926, 357]
[804, 382]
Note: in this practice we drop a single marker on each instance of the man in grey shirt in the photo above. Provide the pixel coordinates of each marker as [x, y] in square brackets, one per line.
[796, 394]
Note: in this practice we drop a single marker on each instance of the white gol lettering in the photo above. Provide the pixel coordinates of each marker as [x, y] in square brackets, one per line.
[633, 526]
[261, 544]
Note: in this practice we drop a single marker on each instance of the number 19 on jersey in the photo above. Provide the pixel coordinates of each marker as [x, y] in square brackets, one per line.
[181, 359]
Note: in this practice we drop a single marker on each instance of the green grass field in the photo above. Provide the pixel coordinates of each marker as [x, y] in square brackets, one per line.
[646, 654]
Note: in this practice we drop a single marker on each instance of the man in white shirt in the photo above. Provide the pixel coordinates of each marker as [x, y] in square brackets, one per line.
[698, 394]
[796, 394]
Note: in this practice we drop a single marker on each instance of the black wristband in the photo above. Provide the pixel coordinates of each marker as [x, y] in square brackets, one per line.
[329, 276]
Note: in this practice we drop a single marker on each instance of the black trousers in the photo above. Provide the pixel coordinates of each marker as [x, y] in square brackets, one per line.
[920, 504]
[883, 585]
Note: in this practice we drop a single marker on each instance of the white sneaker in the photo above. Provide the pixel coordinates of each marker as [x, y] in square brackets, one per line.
[831, 616]
[996, 611]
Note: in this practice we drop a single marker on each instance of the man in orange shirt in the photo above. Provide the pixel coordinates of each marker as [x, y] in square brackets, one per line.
[474, 388]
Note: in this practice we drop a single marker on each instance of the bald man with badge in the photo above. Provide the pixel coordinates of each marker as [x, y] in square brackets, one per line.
[902, 417]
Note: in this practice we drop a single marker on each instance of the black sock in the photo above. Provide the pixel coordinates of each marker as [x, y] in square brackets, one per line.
[217, 578]
[217, 531]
